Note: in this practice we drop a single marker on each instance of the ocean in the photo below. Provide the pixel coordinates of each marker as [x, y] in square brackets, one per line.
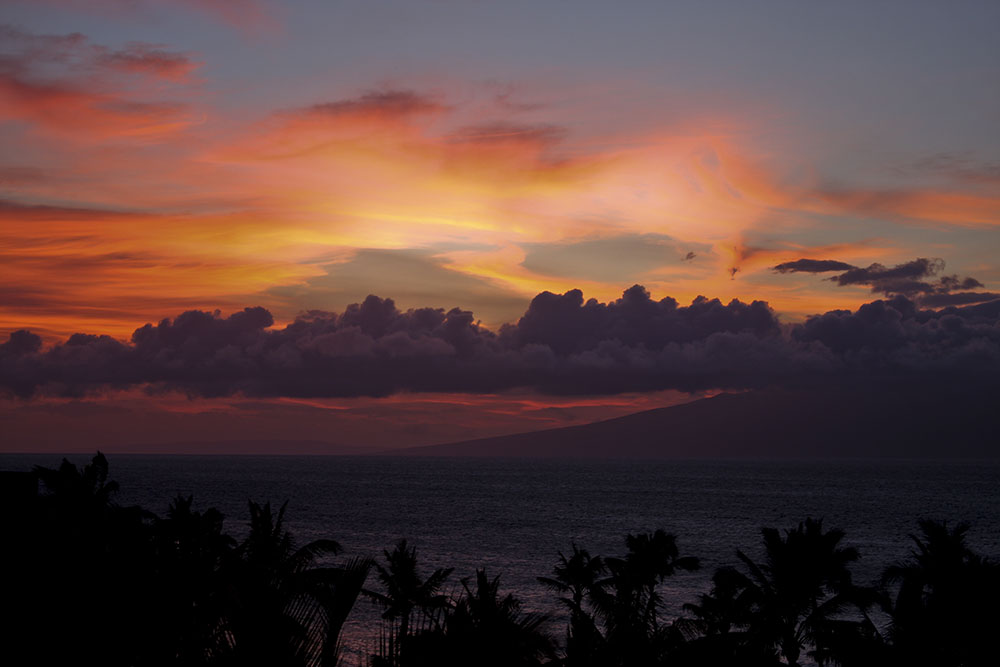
[513, 516]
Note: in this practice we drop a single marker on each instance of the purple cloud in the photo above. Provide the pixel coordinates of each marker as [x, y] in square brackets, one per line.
[562, 345]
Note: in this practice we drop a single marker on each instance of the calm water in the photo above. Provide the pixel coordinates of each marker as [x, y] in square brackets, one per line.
[513, 516]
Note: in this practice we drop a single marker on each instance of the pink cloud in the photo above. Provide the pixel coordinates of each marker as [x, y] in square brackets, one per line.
[251, 16]
[82, 91]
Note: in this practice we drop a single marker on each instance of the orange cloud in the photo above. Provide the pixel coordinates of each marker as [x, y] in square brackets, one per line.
[399, 166]
[221, 216]
[927, 205]
[74, 269]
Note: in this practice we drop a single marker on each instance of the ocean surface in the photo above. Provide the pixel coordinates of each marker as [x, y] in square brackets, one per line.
[513, 516]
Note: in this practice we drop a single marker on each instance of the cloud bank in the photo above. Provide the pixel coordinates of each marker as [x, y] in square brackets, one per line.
[562, 345]
[909, 279]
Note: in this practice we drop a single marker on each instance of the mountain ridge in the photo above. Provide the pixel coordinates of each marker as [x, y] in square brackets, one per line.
[864, 421]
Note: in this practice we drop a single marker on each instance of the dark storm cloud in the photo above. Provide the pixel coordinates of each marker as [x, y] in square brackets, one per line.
[917, 280]
[813, 266]
[562, 345]
[883, 279]
[564, 323]
[20, 343]
[894, 335]
[957, 298]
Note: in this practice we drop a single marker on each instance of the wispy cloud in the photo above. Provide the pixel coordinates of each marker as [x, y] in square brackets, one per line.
[962, 167]
[913, 205]
[65, 84]
[253, 17]
[143, 58]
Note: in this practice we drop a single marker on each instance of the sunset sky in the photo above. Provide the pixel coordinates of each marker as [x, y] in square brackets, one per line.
[164, 156]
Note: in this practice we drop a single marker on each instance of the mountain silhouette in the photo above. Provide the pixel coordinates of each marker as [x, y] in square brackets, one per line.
[860, 421]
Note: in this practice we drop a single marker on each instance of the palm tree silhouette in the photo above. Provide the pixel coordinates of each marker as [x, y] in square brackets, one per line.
[802, 584]
[578, 577]
[405, 593]
[489, 629]
[288, 609]
[194, 558]
[716, 630]
[105, 584]
[728, 607]
[91, 568]
[628, 601]
[83, 490]
[943, 601]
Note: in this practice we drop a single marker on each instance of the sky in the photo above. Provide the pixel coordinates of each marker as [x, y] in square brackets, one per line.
[487, 182]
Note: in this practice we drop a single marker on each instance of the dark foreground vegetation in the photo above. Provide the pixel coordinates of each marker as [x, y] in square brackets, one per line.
[87, 581]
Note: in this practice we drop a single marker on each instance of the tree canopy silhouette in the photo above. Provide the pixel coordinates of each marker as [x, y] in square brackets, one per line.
[94, 582]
